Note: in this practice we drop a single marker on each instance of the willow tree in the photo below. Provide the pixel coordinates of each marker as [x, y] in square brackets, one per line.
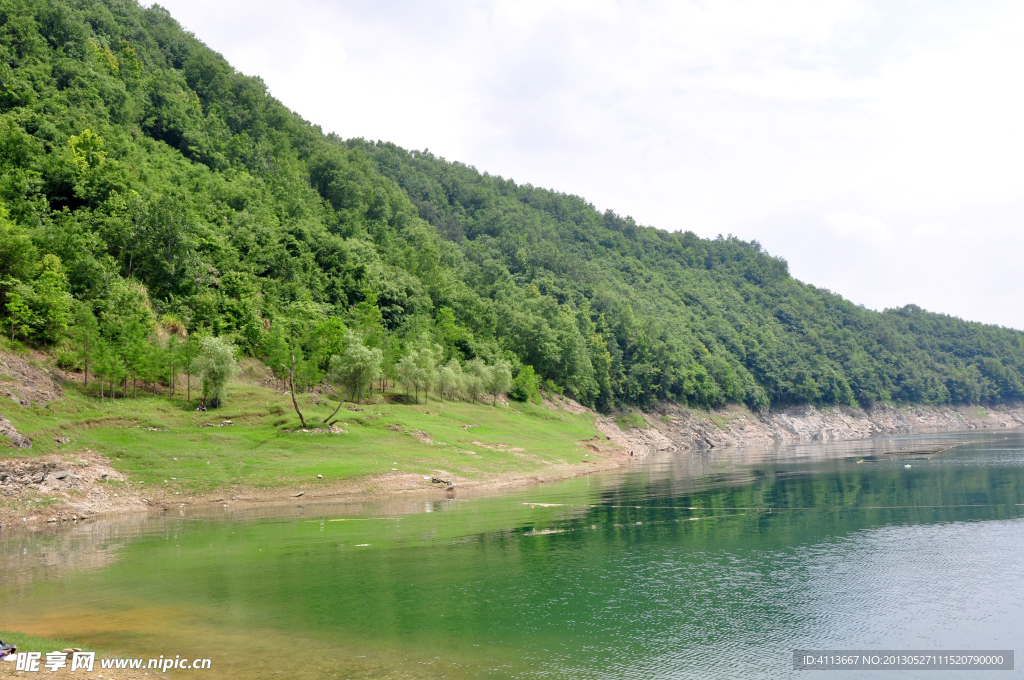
[498, 380]
[355, 369]
[217, 363]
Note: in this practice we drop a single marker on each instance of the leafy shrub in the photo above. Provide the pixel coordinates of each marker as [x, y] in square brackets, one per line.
[526, 386]
[67, 360]
[554, 388]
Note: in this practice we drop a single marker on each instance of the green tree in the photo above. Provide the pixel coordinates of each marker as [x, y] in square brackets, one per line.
[20, 317]
[356, 369]
[188, 356]
[450, 379]
[409, 372]
[426, 370]
[217, 363]
[133, 347]
[453, 334]
[276, 352]
[51, 301]
[392, 352]
[87, 149]
[328, 339]
[498, 380]
[171, 359]
[109, 366]
[477, 375]
[306, 372]
[207, 199]
[153, 365]
[368, 320]
[18, 255]
[85, 333]
[526, 386]
[427, 356]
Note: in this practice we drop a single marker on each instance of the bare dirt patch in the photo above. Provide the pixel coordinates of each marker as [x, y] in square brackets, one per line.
[557, 402]
[422, 436]
[499, 446]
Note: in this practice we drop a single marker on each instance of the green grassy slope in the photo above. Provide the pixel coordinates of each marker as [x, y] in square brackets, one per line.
[177, 192]
[161, 441]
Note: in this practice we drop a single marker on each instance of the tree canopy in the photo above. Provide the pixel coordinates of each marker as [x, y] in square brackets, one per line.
[144, 177]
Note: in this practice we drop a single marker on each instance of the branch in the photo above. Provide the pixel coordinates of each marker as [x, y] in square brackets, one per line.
[340, 402]
[291, 381]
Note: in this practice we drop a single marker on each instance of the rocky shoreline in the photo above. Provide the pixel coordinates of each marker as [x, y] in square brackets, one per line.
[677, 428]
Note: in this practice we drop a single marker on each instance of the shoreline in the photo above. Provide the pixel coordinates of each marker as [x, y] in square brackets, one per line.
[63, 480]
[619, 449]
[248, 511]
[103, 503]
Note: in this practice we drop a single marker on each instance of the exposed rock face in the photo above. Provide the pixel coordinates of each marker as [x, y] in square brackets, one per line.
[19, 440]
[26, 380]
[677, 428]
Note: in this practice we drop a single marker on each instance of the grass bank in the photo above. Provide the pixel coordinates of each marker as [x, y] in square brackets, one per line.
[163, 450]
[33, 643]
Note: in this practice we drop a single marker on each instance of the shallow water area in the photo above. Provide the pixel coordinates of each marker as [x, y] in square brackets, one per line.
[689, 565]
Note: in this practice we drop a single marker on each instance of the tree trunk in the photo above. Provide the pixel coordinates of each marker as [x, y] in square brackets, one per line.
[188, 387]
[295, 403]
[87, 364]
[330, 418]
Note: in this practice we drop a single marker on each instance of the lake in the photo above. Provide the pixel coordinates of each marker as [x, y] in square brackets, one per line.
[689, 565]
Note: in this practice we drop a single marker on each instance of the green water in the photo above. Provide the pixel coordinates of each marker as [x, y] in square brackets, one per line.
[688, 566]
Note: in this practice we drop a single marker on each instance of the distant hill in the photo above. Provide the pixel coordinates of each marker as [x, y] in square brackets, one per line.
[133, 154]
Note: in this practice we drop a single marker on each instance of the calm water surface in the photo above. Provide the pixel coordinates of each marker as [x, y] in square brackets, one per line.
[689, 566]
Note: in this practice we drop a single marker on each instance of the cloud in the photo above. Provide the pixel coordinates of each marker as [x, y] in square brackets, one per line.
[852, 224]
[933, 229]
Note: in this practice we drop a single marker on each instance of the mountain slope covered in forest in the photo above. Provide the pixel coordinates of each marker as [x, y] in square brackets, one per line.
[145, 178]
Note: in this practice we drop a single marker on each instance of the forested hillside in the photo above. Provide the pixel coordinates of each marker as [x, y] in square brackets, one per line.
[152, 195]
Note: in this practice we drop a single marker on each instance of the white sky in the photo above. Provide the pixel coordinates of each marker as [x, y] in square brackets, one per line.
[876, 146]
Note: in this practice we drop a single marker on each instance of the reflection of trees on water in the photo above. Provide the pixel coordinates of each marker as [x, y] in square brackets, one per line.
[671, 556]
[804, 492]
